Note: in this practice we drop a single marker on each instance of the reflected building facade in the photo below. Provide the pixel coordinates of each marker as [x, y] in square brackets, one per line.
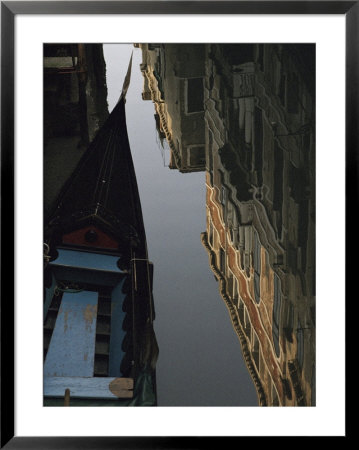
[173, 80]
[258, 123]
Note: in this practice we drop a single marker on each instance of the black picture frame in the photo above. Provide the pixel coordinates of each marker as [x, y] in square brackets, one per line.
[9, 9]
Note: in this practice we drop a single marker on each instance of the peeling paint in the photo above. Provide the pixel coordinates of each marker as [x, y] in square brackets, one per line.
[90, 314]
[72, 347]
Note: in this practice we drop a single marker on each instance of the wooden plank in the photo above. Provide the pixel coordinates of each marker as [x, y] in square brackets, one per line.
[117, 333]
[72, 346]
[95, 387]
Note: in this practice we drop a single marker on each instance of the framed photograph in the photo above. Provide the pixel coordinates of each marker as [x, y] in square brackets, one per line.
[174, 181]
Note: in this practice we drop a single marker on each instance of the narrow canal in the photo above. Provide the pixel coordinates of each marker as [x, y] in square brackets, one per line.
[200, 359]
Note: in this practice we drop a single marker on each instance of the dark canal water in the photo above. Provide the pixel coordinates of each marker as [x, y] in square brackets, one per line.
[200, 361]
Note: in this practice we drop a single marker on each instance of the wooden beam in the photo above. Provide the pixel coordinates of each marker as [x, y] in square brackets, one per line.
[67, 398]
[83, 387]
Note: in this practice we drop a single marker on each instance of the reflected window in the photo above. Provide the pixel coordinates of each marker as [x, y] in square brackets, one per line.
[241, 311]
[222, 260]
[281, 88]
[292, 93]
[210, 156]
[300, 345]
[223, 195]
[194, 95]
[196, 156]
[235, 289]
[230, 283]
[313, 384]
[247, 323]
[211, 233]
[288, 324]
[276, 313]
[260, 57]
[255, 350]
[258, 147]
[257, 267]
[231, 233]
[278, 186]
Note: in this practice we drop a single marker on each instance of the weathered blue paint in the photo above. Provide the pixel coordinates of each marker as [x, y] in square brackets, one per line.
[49, 293]
[72, 346]
[117, 333]
[96, 387]
[86, 267]
[87, 260]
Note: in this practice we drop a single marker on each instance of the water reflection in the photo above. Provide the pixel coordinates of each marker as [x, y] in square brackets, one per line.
[245, 114]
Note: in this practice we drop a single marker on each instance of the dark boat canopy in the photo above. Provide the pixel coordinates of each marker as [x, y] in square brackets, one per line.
[100, 201]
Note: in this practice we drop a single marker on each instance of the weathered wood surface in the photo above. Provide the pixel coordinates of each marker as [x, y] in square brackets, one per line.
[95, 387]
[72, 346]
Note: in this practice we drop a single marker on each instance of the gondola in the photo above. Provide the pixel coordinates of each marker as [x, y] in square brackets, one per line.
[100, 347]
